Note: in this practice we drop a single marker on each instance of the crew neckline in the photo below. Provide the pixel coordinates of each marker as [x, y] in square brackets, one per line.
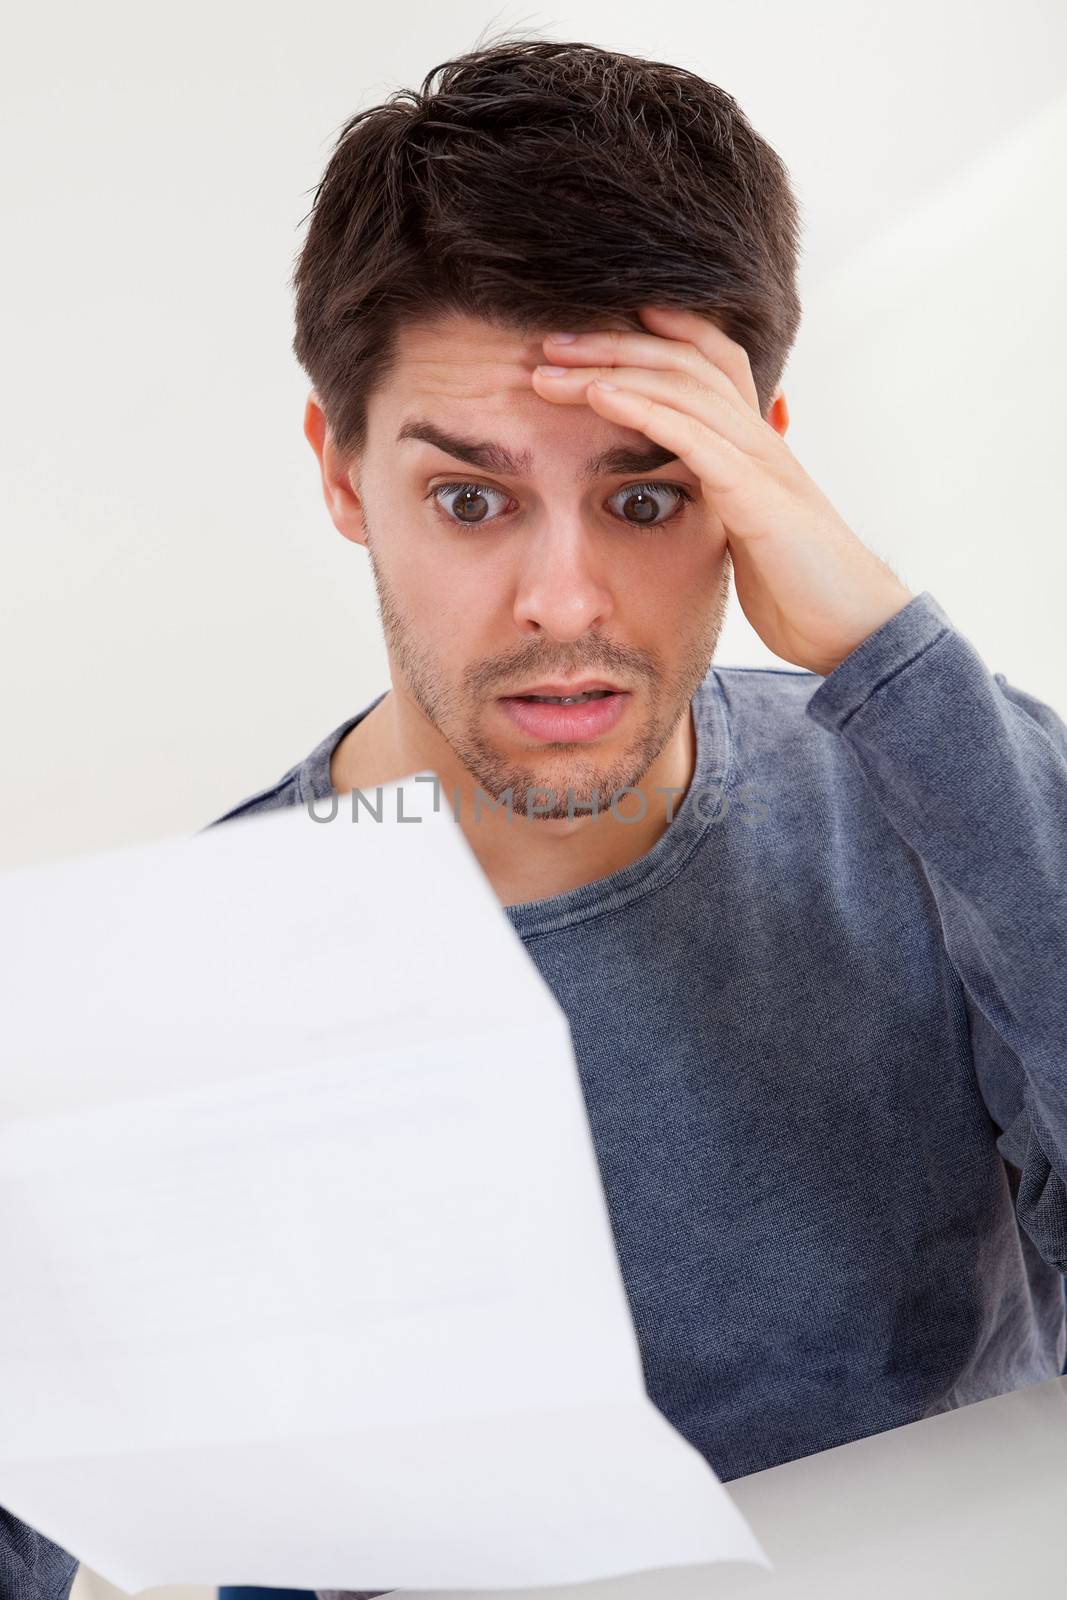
[698, 811]
[700, 806]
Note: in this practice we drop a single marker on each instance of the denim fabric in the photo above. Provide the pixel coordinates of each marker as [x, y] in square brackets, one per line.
[243, 1592]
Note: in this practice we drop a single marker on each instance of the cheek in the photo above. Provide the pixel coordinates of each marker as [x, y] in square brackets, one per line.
[703, 560]
[465, 590]
[681, 578]
[451, 599]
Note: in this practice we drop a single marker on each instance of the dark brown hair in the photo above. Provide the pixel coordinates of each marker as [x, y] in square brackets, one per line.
[542, 185]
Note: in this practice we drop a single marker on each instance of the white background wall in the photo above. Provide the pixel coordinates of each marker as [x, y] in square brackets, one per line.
[180, 622]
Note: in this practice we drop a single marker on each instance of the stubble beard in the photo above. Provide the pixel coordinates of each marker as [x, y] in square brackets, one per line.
[580, 784]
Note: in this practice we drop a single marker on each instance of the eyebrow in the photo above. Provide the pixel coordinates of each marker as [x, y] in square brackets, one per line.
[491, 457]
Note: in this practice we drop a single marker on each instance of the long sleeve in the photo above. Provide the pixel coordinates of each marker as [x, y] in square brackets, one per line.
[971, 772]
[31, 1566]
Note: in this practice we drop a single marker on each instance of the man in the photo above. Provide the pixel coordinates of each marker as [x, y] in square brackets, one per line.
[813, 956]
[808, 925]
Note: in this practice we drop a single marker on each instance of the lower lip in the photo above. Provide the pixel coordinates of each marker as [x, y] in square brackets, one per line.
[566, 724]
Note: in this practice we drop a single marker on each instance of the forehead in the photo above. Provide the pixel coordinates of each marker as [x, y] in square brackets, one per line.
[464, 357]
[471, 376]
[462, 386]
[467, 380]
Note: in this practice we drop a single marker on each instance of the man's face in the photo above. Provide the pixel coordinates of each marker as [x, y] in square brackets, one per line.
[541, 574]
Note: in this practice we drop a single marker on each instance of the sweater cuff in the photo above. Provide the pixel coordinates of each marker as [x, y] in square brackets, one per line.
[884, 653]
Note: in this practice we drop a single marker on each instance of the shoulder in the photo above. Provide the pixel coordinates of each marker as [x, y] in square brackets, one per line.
[758, 718]
[783, 685]
[762, 706]
[286, 792]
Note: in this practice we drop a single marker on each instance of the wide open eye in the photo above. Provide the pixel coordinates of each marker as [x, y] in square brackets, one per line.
[641, 504]
[467, 502]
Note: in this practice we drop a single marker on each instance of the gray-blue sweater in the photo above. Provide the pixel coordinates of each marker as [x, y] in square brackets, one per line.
[821, 1029]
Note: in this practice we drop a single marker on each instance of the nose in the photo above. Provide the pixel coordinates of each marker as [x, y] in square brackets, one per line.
[561, 588]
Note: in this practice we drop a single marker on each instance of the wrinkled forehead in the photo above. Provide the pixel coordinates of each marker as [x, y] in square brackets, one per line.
[463, 387]
[458, 357]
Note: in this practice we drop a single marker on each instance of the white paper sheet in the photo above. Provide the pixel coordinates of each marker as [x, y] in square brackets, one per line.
[308, 1276]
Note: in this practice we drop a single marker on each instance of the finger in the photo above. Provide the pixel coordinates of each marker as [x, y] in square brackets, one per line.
[620, 347]
[706, 335]
[678, 389]
[720, 465]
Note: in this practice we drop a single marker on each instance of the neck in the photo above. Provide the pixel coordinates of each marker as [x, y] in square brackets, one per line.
[523, 858]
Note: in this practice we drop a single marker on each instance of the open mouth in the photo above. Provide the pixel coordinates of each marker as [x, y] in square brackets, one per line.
[566, 719]
[565, 700]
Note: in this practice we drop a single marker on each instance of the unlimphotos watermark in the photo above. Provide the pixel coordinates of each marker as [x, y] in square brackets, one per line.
[712, 804]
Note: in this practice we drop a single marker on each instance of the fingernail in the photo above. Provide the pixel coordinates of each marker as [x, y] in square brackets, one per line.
[553, 372]
[562, 338]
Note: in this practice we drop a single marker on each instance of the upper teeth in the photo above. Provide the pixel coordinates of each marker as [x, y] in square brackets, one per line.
[569, 699]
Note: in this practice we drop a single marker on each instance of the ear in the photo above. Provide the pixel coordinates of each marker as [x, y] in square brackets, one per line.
[778, 413]
[342, 501]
